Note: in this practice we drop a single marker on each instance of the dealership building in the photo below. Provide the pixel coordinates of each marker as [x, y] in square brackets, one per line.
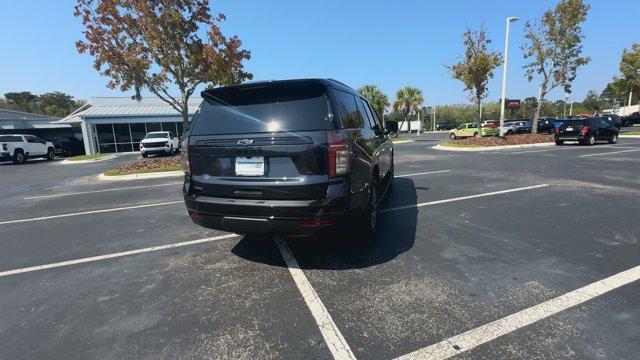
[117, 124]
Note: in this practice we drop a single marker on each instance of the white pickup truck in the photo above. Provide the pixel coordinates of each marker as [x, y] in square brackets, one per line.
[19, 148]
[159, 142]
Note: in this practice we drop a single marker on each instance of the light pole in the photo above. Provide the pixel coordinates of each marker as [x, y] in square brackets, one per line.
[504, 73]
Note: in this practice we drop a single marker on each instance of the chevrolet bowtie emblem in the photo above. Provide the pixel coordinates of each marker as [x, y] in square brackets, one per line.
[245, 142]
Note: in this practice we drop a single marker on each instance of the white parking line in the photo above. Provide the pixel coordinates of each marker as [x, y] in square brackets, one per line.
[89, 212]
[463, 198]
[608, 153]
[422, 173]
[101, 191]
[491, 331]
[329, 330]
[114, 255]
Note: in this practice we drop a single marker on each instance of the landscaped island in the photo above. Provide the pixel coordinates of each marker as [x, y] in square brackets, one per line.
[497, 141]
[147, 166]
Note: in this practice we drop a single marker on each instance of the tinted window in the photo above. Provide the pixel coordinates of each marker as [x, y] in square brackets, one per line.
[593, 122]
[367, 113]
[375, 117]
[10, 139]
[347, 110]
[262, 108]
[33, 139]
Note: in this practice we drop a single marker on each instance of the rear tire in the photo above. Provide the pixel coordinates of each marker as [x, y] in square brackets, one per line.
[591, 140]
[614, 139]
[144, 155]
[51, 154]
[368, 222]
[559, 142]
[452, 136]
[19, 157]
[509, 132]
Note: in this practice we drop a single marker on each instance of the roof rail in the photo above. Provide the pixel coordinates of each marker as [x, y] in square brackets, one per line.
[339, 82]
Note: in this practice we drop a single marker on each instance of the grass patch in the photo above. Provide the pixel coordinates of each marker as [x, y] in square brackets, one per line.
[86, 157]
[147, 166]
[634, 132]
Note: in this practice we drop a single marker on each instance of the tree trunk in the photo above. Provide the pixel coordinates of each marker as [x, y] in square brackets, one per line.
[400, 126]
[536, 116]
[185, 115]
[479, 120]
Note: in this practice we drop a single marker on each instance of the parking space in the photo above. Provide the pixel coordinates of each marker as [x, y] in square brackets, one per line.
[466, 240]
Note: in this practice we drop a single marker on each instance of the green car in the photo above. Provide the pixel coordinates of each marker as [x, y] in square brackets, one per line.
[471, 129]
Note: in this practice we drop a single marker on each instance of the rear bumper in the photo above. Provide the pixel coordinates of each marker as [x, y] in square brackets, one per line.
[287, 217]
[561, 137]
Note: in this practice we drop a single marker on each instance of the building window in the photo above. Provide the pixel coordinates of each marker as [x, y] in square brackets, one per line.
[138, 132]
[105, 133]
[179, 129]
[154, 127]
[123, 137]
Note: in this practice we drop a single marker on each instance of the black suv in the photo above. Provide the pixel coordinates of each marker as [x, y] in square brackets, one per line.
[586, 131]
[288, 157]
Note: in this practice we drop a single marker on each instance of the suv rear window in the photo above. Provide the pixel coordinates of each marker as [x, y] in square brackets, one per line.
[262, 108]
[8, 139]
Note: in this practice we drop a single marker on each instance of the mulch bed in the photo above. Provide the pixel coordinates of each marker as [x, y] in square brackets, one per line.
[507, 140]
[148, 164]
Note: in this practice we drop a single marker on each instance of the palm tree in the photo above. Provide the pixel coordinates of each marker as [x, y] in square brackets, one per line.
[408, 101]
[378, 100]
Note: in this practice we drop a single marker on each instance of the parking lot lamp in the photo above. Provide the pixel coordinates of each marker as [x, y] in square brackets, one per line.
[504, 73]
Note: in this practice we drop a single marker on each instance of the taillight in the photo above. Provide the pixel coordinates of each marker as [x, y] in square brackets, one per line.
[556, 130]
[585, 129]
[339, 155]
[184, 155]
[315, 223]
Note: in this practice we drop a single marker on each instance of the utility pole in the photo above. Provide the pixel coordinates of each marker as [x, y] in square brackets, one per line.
[504, 73]
[434, 118]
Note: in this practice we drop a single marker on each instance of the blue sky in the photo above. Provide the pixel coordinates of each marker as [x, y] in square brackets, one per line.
[387, 43]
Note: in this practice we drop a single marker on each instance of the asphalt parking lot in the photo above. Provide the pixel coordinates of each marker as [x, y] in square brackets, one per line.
[529, 253]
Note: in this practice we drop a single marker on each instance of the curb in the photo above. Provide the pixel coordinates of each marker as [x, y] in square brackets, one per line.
[489, 148]
[402, 142]
[156, 175]
[67, 162]
[629, 136]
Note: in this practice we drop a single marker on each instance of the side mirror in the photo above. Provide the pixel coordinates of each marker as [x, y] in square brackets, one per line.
[377, 130]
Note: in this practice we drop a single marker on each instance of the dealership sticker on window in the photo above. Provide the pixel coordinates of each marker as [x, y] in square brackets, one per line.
[250, 166]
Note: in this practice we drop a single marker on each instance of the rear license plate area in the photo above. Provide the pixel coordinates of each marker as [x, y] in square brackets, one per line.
[250, 166]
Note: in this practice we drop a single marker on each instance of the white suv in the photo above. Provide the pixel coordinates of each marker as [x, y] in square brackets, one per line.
[20, 147]
[159, 142]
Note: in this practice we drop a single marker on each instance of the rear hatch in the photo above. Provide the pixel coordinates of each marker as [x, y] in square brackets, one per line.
[570, 128]
[265, 141]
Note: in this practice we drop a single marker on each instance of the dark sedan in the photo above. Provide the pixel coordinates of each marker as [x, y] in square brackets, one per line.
[586, 131]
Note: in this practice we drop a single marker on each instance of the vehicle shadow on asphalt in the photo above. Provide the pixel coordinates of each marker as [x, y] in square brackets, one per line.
[344, 250]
